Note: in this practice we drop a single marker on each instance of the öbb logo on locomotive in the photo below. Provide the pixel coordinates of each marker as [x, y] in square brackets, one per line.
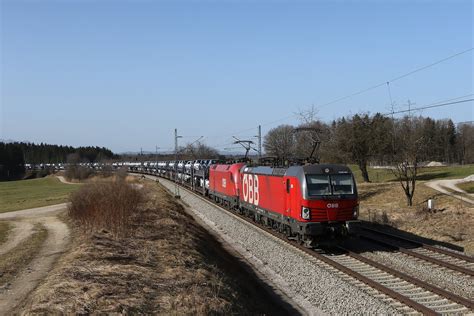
[250, 189]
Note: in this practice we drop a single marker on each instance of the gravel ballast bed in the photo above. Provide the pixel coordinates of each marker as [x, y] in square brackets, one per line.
[315, 288]
[454, 282]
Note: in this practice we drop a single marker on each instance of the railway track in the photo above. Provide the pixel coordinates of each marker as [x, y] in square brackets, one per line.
[437, 256]
[413, 295]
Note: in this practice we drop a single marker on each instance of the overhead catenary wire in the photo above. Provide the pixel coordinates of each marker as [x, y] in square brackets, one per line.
[430, 106]
[372, 87]
[398, 77]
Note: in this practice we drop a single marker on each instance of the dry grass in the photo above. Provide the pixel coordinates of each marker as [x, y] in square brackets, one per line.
[75, 172]
[5, 228]
[168, 265]
[106, 205]
[451, 221]
[19, 257]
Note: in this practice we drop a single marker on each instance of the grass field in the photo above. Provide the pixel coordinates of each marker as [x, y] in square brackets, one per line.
[23, 194]
[467, 186]
[429, 173]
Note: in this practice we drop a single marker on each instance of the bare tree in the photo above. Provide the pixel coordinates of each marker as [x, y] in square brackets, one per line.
[407, 157]
[312, 135]
[280, 142]
[309, 138]
[200, 150]
[308, 116]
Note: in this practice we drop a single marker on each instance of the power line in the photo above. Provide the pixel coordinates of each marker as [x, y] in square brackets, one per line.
[430, 106]
[397, 78]
[431, 65]
[387, 82]
[452, 99]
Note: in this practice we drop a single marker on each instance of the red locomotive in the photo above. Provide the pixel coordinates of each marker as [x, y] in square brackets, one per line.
[305, 202]
[308, 202]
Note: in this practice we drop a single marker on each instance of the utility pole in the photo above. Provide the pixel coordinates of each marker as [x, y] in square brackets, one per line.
[156, 157]
[393, 121]
[260, 142]
[409, 108]
[176, 187]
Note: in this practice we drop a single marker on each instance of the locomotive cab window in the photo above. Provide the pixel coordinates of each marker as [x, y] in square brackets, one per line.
[342, 184]
[318, 185]
[334, 184]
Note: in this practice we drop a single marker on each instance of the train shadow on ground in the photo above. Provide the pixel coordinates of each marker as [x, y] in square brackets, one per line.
[361, 245]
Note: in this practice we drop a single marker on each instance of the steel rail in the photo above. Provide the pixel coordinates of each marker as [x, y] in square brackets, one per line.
[373, 284]
[378, 286]
[420, 244]
[420, 256]
[453, 297]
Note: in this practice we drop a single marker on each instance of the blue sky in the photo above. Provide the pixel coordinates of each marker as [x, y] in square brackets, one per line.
[124, 74]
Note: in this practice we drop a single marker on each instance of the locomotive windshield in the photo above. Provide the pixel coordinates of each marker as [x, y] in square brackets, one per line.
[334, 184]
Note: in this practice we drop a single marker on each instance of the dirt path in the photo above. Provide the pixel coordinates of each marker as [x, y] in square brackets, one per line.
[55, 244]
[21, 230]
[443, 185]
[63, 180]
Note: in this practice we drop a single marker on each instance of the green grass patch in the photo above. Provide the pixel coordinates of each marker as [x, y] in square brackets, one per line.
[18, 258]
[23, 194]
[428, 173]
[450, 172]
[467, 186]
[375, 175]
[5, 228]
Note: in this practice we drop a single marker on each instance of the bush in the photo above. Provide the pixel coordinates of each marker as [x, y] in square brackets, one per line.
[106, 205]
[78, 172]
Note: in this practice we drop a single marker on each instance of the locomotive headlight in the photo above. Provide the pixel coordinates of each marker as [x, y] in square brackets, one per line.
[355, 211]
[305, 213]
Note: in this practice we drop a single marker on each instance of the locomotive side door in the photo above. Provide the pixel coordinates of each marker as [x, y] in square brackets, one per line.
[288, 186]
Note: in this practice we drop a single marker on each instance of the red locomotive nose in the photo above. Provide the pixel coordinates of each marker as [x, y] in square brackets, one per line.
[332, 211]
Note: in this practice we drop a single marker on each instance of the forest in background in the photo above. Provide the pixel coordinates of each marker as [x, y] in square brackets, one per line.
[361, 139]
[14, 156]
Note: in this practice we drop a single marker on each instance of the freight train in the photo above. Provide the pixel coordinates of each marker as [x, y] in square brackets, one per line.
[312, 203]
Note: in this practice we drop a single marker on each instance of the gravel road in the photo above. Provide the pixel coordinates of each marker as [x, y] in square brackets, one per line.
[310, 283]
[441, 185]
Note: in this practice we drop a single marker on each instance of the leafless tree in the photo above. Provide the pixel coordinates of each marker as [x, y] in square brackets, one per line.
[199, 150]
[307, 116]
[312, 135]
[280, 142]
[407, 157]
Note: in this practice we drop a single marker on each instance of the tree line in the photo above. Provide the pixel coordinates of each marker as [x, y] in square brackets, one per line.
[363, 139]
[14, 155]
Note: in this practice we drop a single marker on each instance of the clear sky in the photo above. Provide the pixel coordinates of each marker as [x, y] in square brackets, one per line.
[124, 74]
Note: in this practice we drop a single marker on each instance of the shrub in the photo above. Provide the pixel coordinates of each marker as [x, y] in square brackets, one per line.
[78, 172]
[106, 205]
